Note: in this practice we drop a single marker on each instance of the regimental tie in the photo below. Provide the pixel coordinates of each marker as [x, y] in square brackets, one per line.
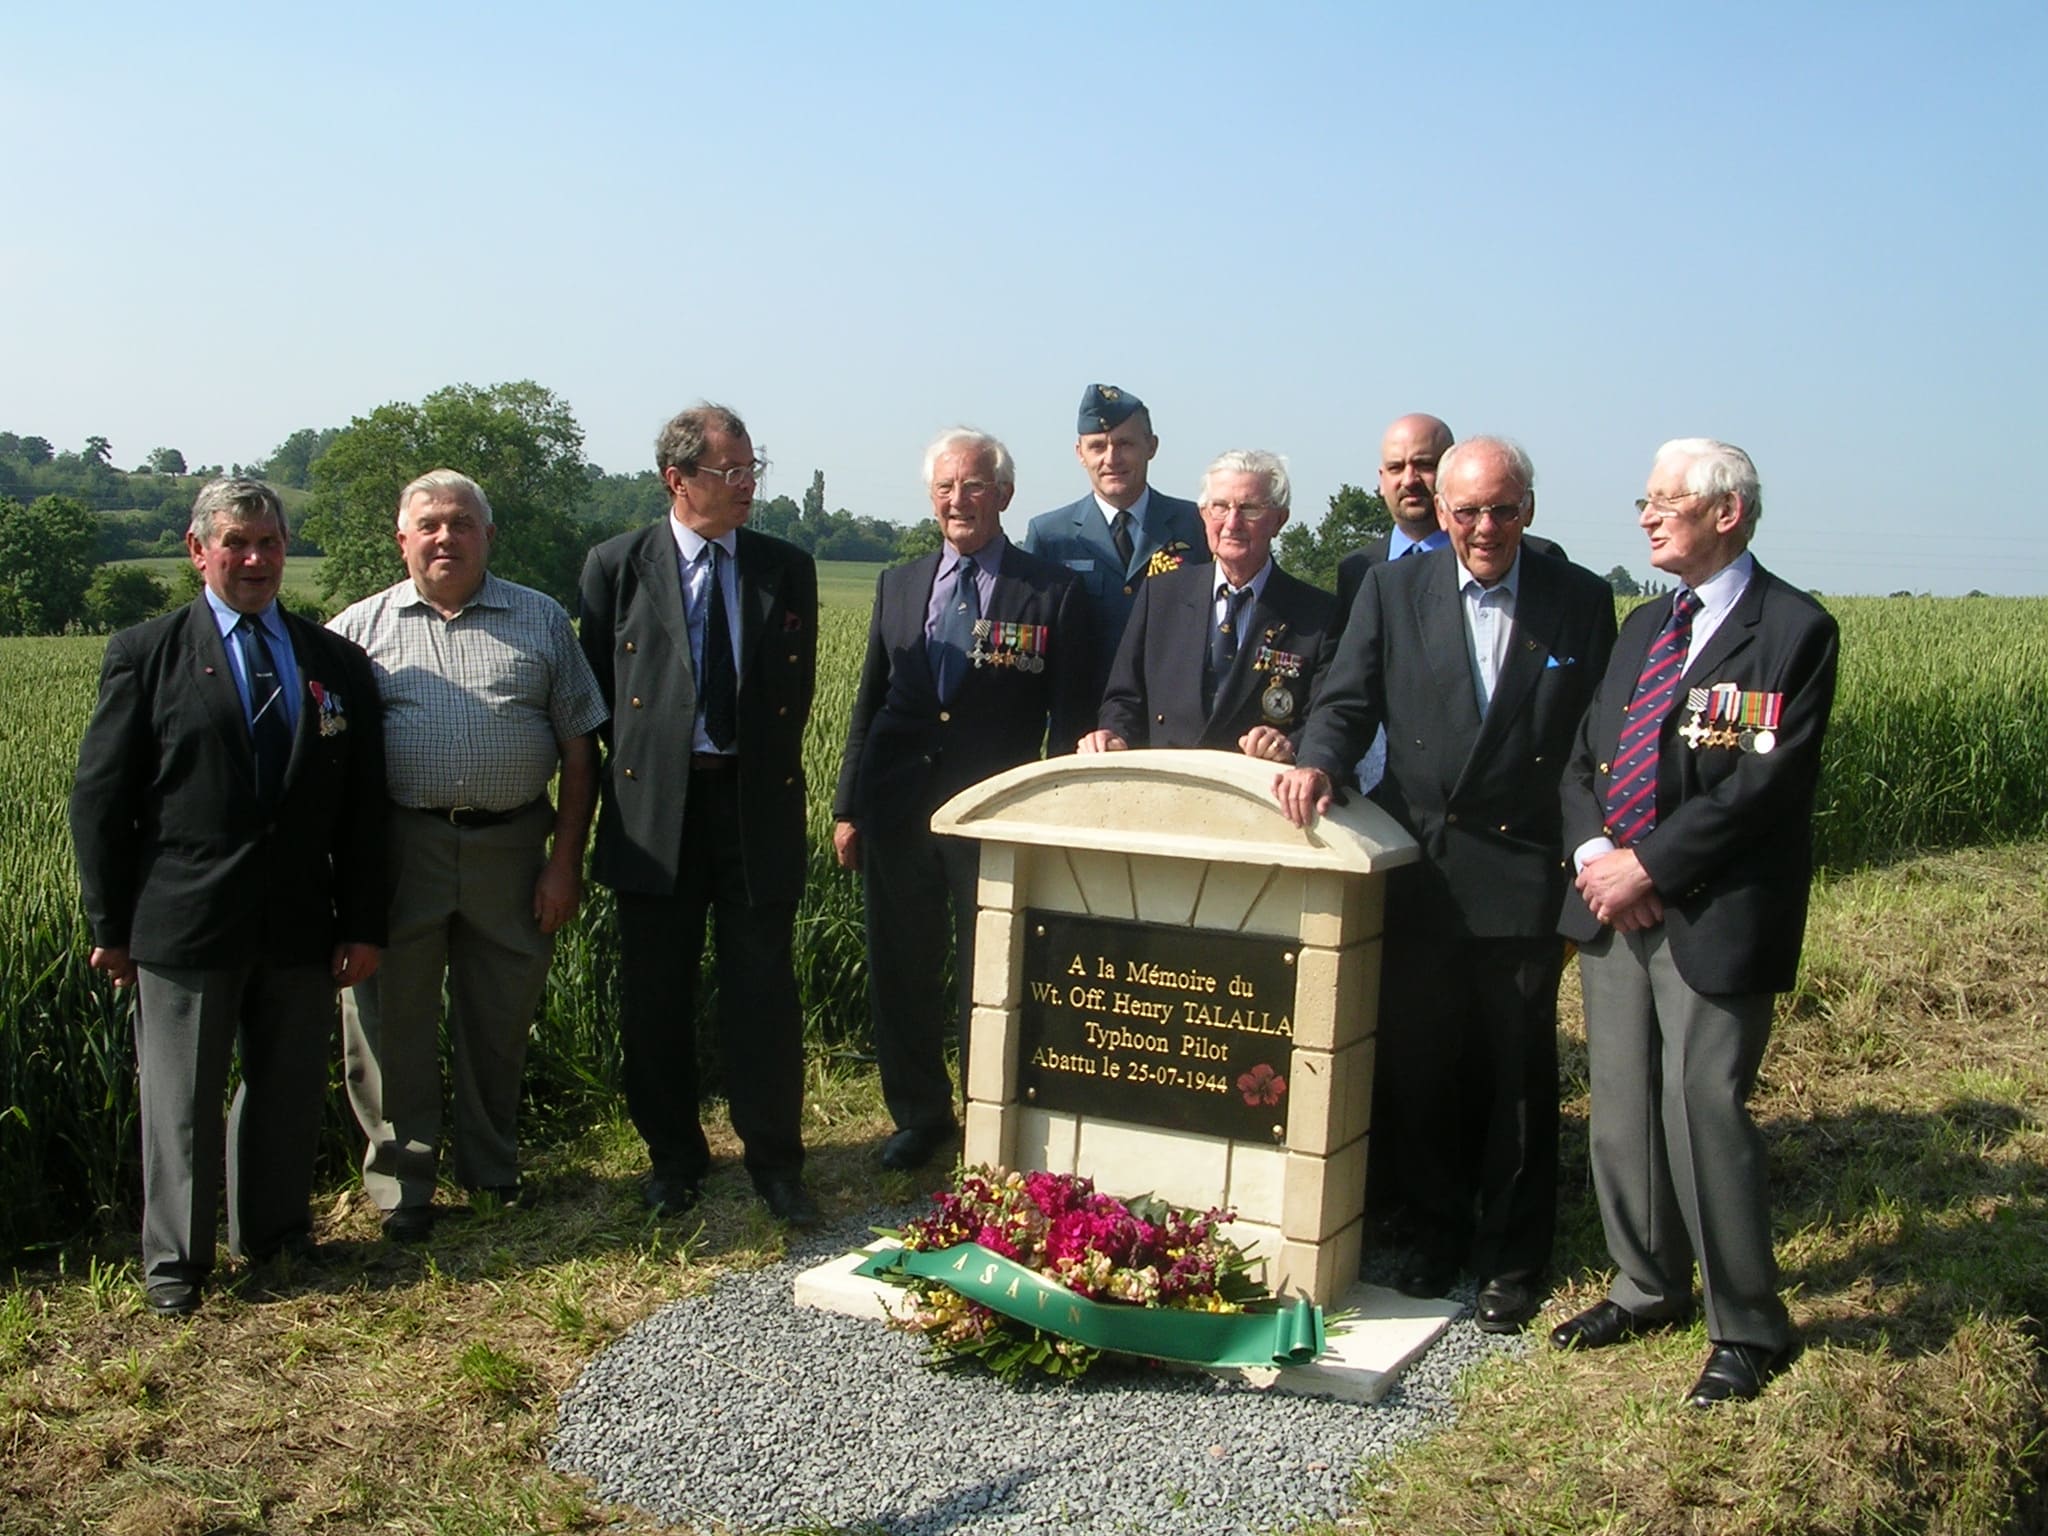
[720, 676]
[953, 635]
[1632, 782]
[269, 733]
[1120, 535]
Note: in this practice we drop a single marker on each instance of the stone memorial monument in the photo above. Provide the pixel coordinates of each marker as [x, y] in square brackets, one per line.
[1175, 993]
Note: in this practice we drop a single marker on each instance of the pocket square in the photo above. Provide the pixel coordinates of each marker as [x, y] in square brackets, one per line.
[1559, 661]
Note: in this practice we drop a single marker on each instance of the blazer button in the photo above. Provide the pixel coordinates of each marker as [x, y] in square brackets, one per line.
[792, 658]
[630, 648]
[1603, 767]
[1451, 819]
[782, 709]
[1503, 826]
[1539, 757]
[1159, 719]
[789, 781]
[629, 773]
[636, 701]
[945, 716]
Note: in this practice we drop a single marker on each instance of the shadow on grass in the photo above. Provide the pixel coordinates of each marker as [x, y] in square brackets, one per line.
[1894, 1228]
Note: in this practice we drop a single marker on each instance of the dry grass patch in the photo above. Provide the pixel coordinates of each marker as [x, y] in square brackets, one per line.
[1905, 1099]
[380, 1388]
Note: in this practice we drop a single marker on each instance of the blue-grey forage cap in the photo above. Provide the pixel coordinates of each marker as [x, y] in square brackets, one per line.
[1104, 405]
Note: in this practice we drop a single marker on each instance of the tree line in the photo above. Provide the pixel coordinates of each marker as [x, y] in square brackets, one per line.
[65, 514]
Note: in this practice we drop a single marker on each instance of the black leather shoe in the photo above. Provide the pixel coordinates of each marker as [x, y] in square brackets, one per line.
[670, 1194]
[1738, 1372]
[1605, 1323]
[1427, 1277]
[409, 1224]
[1506, 1305]
[172, 1298]
[916, 1147]
[299, 1248]
[788, 1200]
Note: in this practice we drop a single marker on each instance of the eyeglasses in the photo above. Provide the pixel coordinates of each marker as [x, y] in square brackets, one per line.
[1665, 507]
[1505, 512]
[1247, 511]
[972, 490]
[739, 474]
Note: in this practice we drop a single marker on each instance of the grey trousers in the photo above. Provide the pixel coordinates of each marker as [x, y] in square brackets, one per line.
[1678, 1164]
[189, 1023]
[463, 911]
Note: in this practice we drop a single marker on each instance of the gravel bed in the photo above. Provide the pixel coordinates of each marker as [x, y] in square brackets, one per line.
[736, 1409]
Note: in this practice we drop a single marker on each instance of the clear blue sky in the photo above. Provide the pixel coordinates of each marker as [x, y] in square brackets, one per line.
[1816, 231]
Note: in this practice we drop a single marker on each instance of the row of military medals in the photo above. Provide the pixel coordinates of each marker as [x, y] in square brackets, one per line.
[1000, 643]
[1281, 668]
[1727, 716]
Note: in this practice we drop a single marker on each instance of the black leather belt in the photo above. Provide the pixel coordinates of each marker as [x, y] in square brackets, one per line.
[473, 816]
[712, 762]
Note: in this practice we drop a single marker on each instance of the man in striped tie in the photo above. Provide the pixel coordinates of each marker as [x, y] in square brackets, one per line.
[1688, 805]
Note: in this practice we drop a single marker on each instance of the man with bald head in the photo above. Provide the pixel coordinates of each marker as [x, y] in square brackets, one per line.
[1409, 454]
[1412, 448]
[1479, 660]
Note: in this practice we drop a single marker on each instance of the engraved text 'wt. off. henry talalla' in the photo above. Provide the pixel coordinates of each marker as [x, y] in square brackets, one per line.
[1175, 1027]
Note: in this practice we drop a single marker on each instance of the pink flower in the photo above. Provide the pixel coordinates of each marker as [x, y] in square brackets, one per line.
[1262, 1085]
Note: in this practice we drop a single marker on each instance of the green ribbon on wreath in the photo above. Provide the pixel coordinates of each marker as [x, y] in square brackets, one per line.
[1290, 1335]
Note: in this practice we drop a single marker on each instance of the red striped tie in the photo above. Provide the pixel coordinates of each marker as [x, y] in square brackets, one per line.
[1632, 788]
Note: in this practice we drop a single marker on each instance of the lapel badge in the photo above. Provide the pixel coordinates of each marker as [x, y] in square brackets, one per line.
[1168, 557]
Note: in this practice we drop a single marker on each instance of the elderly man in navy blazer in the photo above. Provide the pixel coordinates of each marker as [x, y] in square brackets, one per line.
[1693, 844]
[1225, 655]
[1410, 450]
[228, 817]
[1479, 658]
[1122, 530]
[973, 652]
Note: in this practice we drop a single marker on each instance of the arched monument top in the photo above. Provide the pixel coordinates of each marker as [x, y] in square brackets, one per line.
[1214, 806]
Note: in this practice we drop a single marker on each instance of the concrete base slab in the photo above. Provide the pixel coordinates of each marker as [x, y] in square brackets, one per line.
[1365, 1354]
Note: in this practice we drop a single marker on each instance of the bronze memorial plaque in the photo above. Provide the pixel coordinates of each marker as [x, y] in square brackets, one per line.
[1177, 1027]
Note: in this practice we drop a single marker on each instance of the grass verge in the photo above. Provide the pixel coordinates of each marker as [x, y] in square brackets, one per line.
[1905, 1100]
